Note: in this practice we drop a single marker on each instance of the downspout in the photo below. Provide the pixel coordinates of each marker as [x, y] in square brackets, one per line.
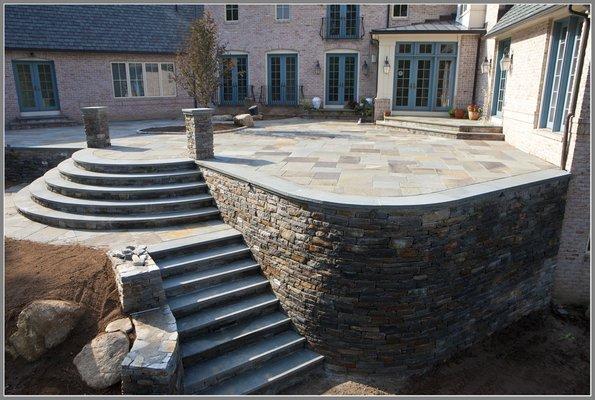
[388, 15]
[576, 84]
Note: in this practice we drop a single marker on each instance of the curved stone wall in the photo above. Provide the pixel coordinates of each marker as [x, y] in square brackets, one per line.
[380, 289]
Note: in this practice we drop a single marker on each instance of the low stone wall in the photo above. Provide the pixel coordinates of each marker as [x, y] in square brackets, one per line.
[385, 289]
[25, 164]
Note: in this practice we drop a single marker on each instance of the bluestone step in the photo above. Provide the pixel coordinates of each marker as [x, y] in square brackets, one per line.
[225, 292]
[216, 317]
[195, 243]
[209, 344]
[271, 376]
[87, 159]
[73, 172]
[199, 376]
[190, 281]
[58, 184]
[201, 260]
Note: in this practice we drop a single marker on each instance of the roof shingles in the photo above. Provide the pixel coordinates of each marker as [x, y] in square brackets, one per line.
[519, 13]
[105, 28]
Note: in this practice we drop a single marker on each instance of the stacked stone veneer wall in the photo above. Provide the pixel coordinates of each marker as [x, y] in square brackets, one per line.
[25, 164]
[379, 289]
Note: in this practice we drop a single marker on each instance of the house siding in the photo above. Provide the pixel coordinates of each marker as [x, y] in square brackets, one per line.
[85, 79]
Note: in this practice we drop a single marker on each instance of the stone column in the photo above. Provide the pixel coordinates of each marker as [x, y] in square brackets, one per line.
[96, 126]
[380, 106]
[199, 132]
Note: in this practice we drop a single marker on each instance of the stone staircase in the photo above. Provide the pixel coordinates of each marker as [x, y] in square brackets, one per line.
[234, 338]
[52, 121]
[88, 192]
[443, 127]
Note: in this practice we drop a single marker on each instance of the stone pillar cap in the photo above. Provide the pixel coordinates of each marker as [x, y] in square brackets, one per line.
[198, 111]
[93, 109]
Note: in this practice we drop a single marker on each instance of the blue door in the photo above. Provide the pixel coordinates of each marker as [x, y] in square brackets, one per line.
[343, 21]
[500, 83]
[424, 76]
[282, 87]
[341, 78]
[36, 85]
[234, 85]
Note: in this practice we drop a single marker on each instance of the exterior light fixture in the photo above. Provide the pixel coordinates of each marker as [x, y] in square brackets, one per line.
[506, 62]
[317, 68]
[386, 67]
[365, 68]
[486, 66]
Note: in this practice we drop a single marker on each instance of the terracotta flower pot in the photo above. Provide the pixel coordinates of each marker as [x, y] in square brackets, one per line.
[387, 113]
[459, 113]
[474, 116]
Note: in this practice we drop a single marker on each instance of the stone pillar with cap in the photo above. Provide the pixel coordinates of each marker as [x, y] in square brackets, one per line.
[199, 132]
[96, 126]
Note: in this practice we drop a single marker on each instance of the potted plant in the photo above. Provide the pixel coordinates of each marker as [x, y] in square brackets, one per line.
[474, 112]
[459, 113]
[451, 113]
[387, 113]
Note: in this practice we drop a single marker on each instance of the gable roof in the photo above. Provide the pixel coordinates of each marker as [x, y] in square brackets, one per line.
[101, 28]
[520, 13]
[436, 26]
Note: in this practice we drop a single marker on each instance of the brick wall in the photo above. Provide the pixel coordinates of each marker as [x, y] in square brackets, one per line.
[520, 120]
[85, 79]
[467, 59]
[399, 289]
[417, 13]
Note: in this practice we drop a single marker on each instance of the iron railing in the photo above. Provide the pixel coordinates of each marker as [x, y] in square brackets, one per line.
[338, 28]
[283, 96]
[233, 96]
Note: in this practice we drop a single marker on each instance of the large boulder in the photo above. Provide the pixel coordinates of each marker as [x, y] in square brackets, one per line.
[222, 118]
[100, 362]
[41, 325]
[243, 120]
[122, 325]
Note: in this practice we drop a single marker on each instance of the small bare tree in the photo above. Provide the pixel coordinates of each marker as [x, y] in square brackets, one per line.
[199, 63]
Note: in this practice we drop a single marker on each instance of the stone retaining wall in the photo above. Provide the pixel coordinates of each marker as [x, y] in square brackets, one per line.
[25, 164]
[400, 288]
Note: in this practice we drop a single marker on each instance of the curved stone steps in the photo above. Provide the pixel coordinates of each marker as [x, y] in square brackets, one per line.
[58, 184]
[86, 159]
[42, 195]
[72, 172]
[44, 215]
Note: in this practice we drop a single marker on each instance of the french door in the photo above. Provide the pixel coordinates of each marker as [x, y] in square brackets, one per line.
[501, 78]
[282, 79]
[234, 85]
[36, 86]
[424, 76]
[341, 78]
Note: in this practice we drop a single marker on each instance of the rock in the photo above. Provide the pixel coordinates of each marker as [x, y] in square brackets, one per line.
[222, 118]
[243, 120]
[100, 362]
[41, 325]
[258, 116]
[122, 325]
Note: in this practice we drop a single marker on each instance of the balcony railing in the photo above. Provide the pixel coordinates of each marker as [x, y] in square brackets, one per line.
[285, 96]
[342, 28]
[234, 95]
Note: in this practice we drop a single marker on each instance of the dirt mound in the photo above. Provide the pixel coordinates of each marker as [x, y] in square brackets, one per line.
[35, 271]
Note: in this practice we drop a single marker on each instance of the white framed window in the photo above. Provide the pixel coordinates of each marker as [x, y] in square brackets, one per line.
[462, 9]
[282, 12]
[143, 79]
[232, 12]
[400, 11]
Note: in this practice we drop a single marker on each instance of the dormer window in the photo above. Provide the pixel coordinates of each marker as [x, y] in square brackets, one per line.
[400, 10]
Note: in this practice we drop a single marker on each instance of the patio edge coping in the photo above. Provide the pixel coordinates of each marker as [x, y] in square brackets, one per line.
[297, 192]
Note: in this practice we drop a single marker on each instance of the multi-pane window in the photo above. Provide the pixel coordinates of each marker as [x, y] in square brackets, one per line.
[282, 12]
[400, 10]
[231, 12]
[135, 79]
[343, 21]
[561, 73]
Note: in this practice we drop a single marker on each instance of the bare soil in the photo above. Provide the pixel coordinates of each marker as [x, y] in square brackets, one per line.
[36, 271]
[542, 354]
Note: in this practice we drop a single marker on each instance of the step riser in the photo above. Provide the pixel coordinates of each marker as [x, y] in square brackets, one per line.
[410, 125]
[106, 225]
[123, 181]
[235, 343]
[136, 168]
[296, 377]
[219, 300]
[121, 210]
[196, 247]
[204, 283]
[453, 135]
[229, 320]
[106, 195]
[230, 373]
[204, 264]
[461, 128]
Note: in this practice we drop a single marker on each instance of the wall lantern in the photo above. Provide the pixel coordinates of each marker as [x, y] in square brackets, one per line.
[486, 65]
[365, 68]
[317, 68]
[386, 67]
[506, 62]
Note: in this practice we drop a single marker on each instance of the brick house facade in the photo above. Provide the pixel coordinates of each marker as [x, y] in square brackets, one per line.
[532, 42]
